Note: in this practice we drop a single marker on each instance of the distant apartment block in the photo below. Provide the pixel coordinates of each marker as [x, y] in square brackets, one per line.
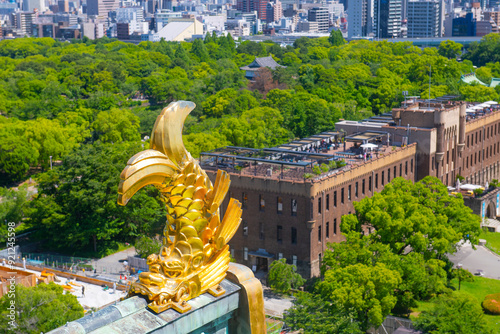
[101, 8]
[320, 16]
[274, 11]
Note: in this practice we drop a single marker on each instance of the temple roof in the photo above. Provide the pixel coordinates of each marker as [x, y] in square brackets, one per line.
[262, 62]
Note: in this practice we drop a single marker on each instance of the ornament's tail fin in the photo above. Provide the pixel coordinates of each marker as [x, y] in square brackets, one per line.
[167, 131]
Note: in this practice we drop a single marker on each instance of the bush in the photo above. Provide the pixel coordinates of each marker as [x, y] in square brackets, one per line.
[307, 175]
[491, 304]
[341, 163]
[494, 183]
[332, 165]
[324, 168]
[282, 277]
[145, 246]
[316, 170]
[478, 192]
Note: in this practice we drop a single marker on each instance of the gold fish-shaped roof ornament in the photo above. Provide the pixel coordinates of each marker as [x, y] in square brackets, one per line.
[194, 256]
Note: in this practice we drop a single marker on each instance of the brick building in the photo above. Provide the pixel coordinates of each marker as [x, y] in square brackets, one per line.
[290, 212]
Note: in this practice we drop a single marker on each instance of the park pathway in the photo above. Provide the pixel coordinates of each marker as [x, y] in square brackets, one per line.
[475, 260]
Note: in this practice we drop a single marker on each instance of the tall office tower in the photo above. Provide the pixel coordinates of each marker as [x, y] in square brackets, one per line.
[31, 5]
[425, 18]
[151, 6]
[404, 9]
[359, 18]
[319, 15]
[63, 6]
[101, 8]
[387, 18]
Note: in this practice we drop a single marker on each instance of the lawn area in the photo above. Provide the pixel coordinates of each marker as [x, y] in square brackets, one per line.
[492, 240]
[479, 289]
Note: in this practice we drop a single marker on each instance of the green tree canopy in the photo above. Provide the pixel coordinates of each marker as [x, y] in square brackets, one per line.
[80, 198]
[453, 314]
[39, 309]
[282, 277]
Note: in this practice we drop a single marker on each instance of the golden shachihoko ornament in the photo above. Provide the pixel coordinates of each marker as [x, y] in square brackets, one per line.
[194, 256]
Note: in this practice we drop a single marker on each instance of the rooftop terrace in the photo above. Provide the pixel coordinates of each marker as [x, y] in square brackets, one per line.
[302, 160]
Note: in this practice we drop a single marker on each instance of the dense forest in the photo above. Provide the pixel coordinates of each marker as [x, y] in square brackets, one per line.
[85, 106]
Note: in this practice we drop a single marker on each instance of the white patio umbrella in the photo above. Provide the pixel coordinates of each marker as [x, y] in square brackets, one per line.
[490, 103]
[369, 145]
[476, 107]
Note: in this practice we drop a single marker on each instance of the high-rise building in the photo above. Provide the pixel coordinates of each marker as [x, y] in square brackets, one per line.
[101, 8]
[387, 18]
[360, 19]
[464, 26]
[31, 5]
[247, 6]
[25, 22]
[425, 18]
[492, 16]
[319, 15]
[63, 6]
[274, 11]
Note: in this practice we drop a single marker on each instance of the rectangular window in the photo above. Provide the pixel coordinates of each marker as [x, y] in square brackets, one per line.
[294, 235]
[280, 205]
[400, 169]
[327, 230]
[370, 183]
[335, 226]
[342, 195]
[279, 233]
[280, 256]
[294, 260]
[376, 181]
[411, 166]
[406, 167]
[244, 200]
[349, 193]
[245, 228]
[319, 233]
[261, 231]
[432, 163]
[395, 175]
[467, 141]
[356, 189]
[319, 205]
[363, 186]
[245, 253]
[382, 178]
[335, 198]
[388, 175]
[262, 203]
[294, 207]
[466, 162]
[327, 202]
